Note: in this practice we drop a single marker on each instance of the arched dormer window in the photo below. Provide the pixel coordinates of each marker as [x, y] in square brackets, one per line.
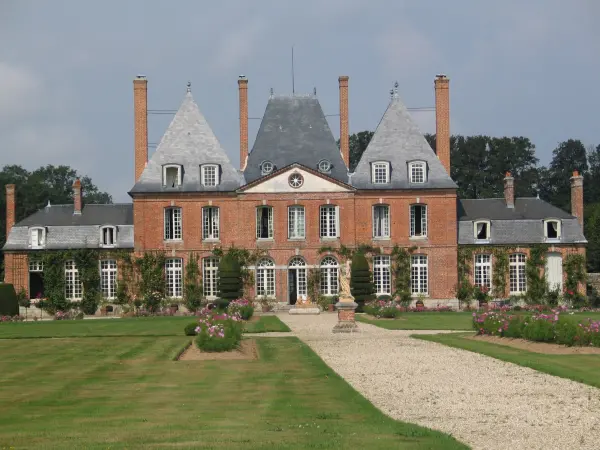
[324, 166]
[172, 175]
[266, 167]
[417, 172]
[209, 175]
[37, 237]
[552, 229]
[380, 172]
[482, 230]
[108, 236]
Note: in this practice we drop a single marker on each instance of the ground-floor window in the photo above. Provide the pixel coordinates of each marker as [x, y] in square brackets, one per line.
[108, 278]
[210, 277]
[329, 276]
[483, 271]
[419, 278]
[36, 279]
[73, 285]
[174, 275]
[265, 278]
[517, 278]
[299, 266]
[382, 275]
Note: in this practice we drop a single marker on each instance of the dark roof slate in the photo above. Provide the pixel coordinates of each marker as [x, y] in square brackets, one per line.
[495, 209]
[62, 215]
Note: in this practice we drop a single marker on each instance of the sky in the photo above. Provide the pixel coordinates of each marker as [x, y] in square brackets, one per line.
[66, 69]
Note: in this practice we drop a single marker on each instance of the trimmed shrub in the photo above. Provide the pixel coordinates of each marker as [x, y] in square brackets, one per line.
[190, 329]
[230, 284]
[361, 281]
[9, 303]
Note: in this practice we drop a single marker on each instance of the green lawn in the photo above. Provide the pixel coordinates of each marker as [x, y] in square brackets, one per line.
[127, 392]
[138, 326]
[582, 368]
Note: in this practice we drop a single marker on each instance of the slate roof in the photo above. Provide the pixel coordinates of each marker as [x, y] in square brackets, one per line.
[522, 224]
[294, 130]
[189, 141]
[398, 141]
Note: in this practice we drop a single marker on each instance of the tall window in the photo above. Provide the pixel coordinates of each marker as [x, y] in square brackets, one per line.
[381, 275]
[516, 273]
[108, 278]
[329, 227]
[172, 176]
[265, 278]
[264, 222]
[381, 221]
[296, 222]
[108, 236]
[174, 276]
[418, 274]
[172, 224]
[418, 220]
[483, 270]
[210, 277]
[210, 222]
[482, 230]
[300, 266]
[381, 173]
[38, 237]
[329, 276]
[416, 172]
[209, 174]
[73, 285]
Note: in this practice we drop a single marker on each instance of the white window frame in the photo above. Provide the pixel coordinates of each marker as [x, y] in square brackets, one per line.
[270, 223]
[381, 221]
[413, 228]
[419, 275]
[382, 275]
[166, 167]
[104, 230]
[413, 172]
[375, 174]
[211, 225]
[483, 270]
[206, 178]
[324, 166]
[210, 277]
[299, 265]
[265, 278]
[108, 278]
[329, 222]
[73, 283]
[40, 240]
[174, 277]
[173, 216]
[476, 230]
[558, 230]
[296, 222]
[516, 273]
[330, 271]
[36, 265]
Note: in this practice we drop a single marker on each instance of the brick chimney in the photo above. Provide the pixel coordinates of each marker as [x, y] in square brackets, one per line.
[577, 196]
[442, 120]
[243, 93]
[344, 131]
[140, 114]
[10, 208]
[509, 190]
[77, 197]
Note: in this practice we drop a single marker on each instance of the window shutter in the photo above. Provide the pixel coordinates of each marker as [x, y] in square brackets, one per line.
[337, 221]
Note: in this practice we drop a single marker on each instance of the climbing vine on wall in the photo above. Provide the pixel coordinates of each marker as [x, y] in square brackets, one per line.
[151, 280]
[575, 271]
[536, 282]
[401, 261]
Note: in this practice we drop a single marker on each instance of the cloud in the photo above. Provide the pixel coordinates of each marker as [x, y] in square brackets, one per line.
[238, 46]
[19, 90]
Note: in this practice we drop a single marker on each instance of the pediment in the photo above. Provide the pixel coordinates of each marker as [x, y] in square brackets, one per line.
[287, 181]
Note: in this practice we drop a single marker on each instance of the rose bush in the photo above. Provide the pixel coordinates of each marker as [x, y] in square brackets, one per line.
[217, 331]
[242, 307]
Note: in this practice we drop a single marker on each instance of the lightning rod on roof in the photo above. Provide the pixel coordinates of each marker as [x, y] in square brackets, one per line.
[293, 81]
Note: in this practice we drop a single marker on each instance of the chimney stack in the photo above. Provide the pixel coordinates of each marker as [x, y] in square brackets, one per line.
[10, 208]
[140, 113]
[577, 196]
[344, 136]
[243, 93]
[442, 120]
[509, 190]
[77, 197]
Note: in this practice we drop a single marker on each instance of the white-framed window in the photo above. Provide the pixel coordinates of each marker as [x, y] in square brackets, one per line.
[516, 273]
[418, 220]
[73, 285]
[174, 277]
[419, 276]
[209, 174]
[172, 224]
[265, 278]
[296, 222]
[172, 175]
[482, 230]
[210, 277]
[417, 172]
[483, 270]
[36, 265]
[299, 265]
[108, 278]
[210, 223]
[380, 172]
[264, 222]
[329, 276]
[266, 167]
[329, 221]
[382, 275]
[37, 237]
[552, 229]
[381, 221]
[324, 166]
[108, 236]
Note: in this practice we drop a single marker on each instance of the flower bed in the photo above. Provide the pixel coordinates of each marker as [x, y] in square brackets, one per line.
[242, 307]
[390, 309]
[4, 319]
[216, 331]
[539, 327]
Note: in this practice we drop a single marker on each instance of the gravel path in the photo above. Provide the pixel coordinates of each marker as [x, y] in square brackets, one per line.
[484, 402]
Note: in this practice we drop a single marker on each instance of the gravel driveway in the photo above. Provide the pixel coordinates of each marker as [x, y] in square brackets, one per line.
[483, 402]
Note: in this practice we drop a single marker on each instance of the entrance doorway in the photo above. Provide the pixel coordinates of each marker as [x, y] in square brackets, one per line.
[36, 279]
[554, 271]
[296, 279]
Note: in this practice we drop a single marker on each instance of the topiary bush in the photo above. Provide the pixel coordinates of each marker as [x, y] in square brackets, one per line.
[230, 283]
[361, 281]
[9, 302]
[190, 329]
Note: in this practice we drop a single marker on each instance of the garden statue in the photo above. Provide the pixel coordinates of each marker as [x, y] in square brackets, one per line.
[345, 295]
[346, 306]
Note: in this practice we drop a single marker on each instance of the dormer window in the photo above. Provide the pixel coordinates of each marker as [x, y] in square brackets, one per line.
[417, 172]
[482, 230]
[324, 166]
[266, 167]
[552, 229]
[172, 175]
[209, 174]
[380, 172]
[108, 236]
[38, 237]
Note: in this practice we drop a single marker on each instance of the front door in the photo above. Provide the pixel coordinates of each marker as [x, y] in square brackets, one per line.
[554, 271]
[292, 282]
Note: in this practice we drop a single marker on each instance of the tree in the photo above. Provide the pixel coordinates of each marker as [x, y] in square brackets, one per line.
[592, 234]
[358, 143]
[361, 280]
[230, 283]
[591, 190]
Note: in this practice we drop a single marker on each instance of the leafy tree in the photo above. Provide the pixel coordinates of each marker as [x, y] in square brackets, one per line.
[358, 143]
[591, 190]
[592, 234]
[230, 283]
[361, 280]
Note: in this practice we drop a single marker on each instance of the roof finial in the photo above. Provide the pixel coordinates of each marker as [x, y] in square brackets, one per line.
[396, 89]
[189, 86]
[315, 91]
[391, 93]
[271, 92]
